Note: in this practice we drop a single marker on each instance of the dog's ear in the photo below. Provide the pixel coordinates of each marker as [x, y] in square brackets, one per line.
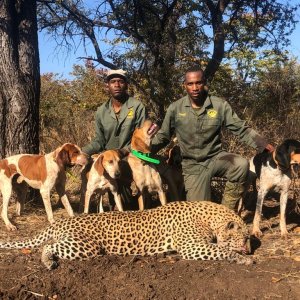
[171, 156]
[95, 156]
[62, 158]
[99, 165]
[122, 152]
[139, 144]
[283, 156]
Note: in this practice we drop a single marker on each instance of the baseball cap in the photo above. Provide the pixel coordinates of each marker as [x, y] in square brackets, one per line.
[116, 73]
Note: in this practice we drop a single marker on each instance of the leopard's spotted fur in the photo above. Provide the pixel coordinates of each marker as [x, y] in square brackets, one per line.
[195, 229]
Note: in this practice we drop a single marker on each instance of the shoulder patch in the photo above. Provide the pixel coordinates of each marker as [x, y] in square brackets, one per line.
[212, 113]
[130, 113]
[182, 114]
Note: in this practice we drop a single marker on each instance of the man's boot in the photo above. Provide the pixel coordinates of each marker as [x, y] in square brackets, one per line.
[232, 194]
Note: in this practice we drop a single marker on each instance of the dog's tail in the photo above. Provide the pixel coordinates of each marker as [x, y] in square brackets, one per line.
[34, 242]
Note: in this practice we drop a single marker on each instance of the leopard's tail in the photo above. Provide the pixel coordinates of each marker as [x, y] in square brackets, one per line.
[34, 242]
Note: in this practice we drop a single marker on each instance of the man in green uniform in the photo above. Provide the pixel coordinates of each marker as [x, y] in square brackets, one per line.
[196, 120]
[115, 122]
[117, 118]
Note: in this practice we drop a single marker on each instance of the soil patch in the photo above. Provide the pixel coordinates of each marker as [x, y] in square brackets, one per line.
[275, 275]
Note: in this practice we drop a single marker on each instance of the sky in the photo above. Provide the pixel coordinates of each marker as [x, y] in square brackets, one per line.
[57, 62]
[62, 62]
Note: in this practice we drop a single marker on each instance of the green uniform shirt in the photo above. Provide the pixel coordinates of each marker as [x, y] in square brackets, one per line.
[113, 132]
[199, 133]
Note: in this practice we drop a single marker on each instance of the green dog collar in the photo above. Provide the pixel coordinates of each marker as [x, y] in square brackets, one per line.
[145, 157]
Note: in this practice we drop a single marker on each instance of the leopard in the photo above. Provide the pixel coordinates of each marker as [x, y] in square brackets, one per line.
[195, 230]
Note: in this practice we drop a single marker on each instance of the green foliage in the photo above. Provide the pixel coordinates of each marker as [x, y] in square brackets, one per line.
[278, 91]
[88, 88]
[68, 107]
[155, 41]
[53, 95]
[270, 101]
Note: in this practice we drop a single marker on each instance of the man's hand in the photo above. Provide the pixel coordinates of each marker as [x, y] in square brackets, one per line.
[269, 148]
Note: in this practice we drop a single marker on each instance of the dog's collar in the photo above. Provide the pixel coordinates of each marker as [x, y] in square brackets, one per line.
[145, 157]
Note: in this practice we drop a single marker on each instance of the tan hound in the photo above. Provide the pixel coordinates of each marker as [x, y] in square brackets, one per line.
[144, 173]
[102, 176]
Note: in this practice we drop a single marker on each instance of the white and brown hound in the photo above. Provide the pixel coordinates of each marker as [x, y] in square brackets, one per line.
[40, 172]
[145, 174]
[102, 176]
[274, 171]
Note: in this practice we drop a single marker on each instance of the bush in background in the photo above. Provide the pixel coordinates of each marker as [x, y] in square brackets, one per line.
[68, 106]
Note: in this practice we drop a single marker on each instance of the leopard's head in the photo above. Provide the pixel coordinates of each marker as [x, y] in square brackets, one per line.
[235, 236]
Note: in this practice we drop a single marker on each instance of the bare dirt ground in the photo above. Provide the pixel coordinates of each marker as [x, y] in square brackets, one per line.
[275, 274]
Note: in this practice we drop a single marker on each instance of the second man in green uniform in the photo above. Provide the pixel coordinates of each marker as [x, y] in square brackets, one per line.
[197, 120]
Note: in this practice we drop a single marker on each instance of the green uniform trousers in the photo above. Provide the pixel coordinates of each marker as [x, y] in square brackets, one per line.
[229, 165]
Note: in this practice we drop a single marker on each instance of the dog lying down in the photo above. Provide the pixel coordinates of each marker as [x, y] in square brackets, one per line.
[274, 171]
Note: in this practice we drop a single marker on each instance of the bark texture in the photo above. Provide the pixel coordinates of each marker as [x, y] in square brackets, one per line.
[19, 78]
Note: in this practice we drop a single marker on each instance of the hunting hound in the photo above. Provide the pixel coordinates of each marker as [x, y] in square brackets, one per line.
[103, 176]
[274, 171]
[144, 171]
[40, 172]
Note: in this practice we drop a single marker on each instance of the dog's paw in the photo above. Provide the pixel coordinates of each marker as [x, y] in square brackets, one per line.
[134, 189]
[11, 227]
[256, 232]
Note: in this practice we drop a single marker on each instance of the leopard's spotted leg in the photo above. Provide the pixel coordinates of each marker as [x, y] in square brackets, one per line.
[69, 247]
[192, 244]
[202, 250]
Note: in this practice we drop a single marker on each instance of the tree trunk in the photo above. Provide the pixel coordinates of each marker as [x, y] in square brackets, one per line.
[19, 78]
[216, 11]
